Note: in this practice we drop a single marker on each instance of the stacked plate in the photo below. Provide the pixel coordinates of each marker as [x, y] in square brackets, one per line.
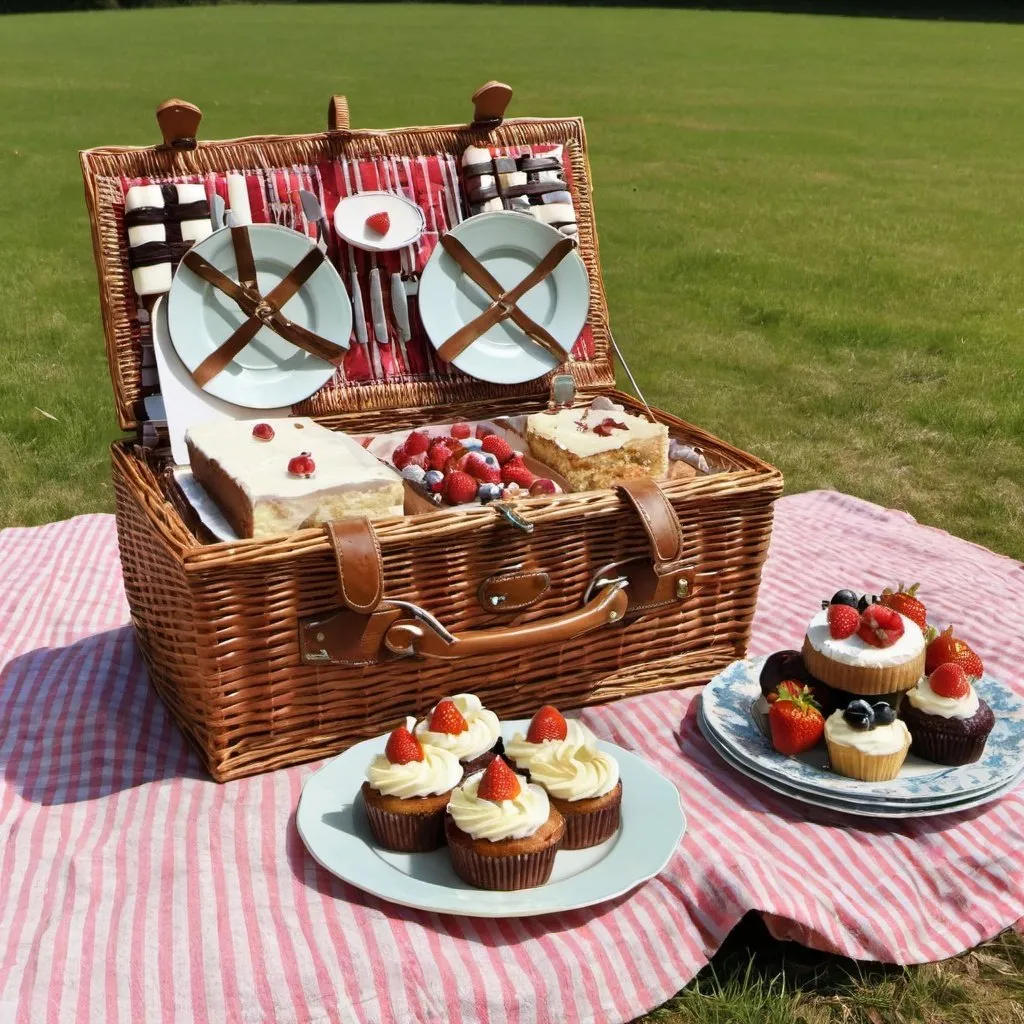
[732, 723]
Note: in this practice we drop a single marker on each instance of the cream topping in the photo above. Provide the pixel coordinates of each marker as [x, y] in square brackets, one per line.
[854, 651]
[522, 751]
[925, 699]
[574, 770]
[481, 735]
[563, 429]
[438, 772]
[882, 739]
[504, 819]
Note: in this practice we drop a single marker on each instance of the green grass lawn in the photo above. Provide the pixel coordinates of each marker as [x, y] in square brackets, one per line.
[812, 231]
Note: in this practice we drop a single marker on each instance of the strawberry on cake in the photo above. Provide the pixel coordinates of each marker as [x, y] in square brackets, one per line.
[863, 648]
[462, 725]
[596, 446]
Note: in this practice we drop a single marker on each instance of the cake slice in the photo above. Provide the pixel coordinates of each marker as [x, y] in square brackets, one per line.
[270, 478]
[596, 446]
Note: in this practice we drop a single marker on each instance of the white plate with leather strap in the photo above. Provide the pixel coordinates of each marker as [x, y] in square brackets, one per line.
[332, 822]
[508, 245]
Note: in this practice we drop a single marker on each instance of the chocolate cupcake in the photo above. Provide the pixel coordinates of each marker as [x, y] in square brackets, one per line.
[948, 722]
[788, 666]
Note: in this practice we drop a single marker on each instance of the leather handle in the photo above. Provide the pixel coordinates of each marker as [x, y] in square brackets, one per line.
[661, 524]
[337, 114]
[414, 636]
[179, 123]
[360, 565]
[489, 104]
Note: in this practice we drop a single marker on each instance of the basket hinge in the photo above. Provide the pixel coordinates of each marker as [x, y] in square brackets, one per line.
[489, 104]
[179, 123]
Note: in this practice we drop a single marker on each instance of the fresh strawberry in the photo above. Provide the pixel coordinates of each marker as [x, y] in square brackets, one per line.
[795, 721]
[950, 680]
[438, 455]
[842, 621]
[906, 602]
[403, 747]
[499, 782]
[263, 432]
[542, 485]
[607, 426]
[479, 470]
[546, 724]
[880, 626]
[459, 488]
[379, 222]
[417, 442]
[446, 717]
[302, 465]
[400, 457]
[944, 647]
[461, 431]
[498, 447]
[515, 472]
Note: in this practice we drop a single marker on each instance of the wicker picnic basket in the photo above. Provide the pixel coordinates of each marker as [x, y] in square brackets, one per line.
[274, 652]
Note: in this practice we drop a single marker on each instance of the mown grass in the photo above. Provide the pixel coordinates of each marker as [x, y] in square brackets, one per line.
[811, 238]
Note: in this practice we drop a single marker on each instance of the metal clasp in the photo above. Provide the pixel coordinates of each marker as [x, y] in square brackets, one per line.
[512, 517]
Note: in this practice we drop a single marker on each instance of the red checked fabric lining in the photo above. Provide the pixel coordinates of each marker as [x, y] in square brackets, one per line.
[273, 200]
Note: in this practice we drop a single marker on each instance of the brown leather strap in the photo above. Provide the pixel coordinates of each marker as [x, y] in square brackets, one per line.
[504, 304]
[477, 272]
[244, 261]
[659, 518]
[261, 311]
[360, 566]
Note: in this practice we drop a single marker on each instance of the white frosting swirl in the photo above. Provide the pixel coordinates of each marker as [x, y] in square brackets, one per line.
[882, 739]
[522, 751]
[925, 699]
[438, 772]
[481, 735]
[495, 820]
[854, 651]
[575, 770]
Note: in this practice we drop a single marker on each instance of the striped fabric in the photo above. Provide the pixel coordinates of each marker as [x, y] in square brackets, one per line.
[136, 890]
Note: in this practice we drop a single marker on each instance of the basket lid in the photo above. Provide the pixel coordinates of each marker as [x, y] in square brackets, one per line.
[271, 170]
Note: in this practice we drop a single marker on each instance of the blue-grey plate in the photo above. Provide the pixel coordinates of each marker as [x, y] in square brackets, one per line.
[726, 703]
[874, 809]
[269, 372]
[333, 825]
[509, 245]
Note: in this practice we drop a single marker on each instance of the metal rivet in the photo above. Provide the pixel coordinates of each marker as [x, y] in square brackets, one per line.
[612, 616]
[682, 588]
[319, 638]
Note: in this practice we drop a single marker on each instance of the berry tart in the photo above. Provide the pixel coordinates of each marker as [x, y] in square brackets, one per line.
[463, 726]
[583, 785]
[866, 741]
[863, 646]
[948, 722]
[502, 831]
[407, 790]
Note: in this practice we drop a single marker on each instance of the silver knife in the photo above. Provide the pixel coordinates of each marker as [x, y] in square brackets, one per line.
[314, 213]
[216, 212]
[380, 323]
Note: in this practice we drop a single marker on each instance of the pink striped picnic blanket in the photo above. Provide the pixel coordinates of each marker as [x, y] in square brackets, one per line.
[136, 890]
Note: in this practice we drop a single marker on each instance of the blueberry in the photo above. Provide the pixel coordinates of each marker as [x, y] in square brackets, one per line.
[844, 597]
[866, 601]
[859, 715]
[884, 714]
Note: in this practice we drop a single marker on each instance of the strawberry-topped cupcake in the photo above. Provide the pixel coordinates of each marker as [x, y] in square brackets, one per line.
[407, 790]
[948, 722]
[502, 831]
[464, 727]
[548, 726]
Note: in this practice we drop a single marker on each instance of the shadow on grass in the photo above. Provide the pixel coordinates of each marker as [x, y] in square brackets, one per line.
[82, 722]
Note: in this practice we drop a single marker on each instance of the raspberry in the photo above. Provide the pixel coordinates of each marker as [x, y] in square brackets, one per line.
[438, 456]
[461, 431]
[459, 488]
[515, 472]
[498, 447]
[417, 442]
[843, 621]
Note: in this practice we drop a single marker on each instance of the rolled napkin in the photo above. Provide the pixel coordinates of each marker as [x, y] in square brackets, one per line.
[163, 223]
[238, 199]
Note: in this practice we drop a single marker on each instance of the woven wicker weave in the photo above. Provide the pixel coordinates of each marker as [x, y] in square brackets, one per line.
[218, 623]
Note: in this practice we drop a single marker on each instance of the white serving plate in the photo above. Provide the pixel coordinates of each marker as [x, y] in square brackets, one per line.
[333, 825]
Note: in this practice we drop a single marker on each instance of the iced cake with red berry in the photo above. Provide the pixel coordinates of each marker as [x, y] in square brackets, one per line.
[463, 726]
[864, 646]
[595, 446]
[406, 792]
[271, 478]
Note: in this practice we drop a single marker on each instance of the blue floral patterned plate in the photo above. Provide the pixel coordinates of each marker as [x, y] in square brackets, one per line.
[727, 701]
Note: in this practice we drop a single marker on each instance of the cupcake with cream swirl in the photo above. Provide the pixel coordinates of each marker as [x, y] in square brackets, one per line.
[502, 831]
[407, 790]
[464, 727]
[583, 784]
[547, 726]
